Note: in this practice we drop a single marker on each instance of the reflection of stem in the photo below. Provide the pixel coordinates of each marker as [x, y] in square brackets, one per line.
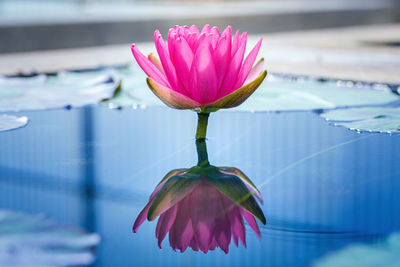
[202, 126]
[202, 153]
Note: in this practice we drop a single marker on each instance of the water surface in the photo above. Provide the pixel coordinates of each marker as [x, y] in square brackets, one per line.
[324, 187]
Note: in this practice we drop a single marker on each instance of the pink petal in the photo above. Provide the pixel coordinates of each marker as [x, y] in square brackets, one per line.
[170, 97]
[156, 62]
[232, 72]
[202, 210]
[172, 35]
[165, 223]
[237, 226]
[141, 218]
[167, 64]
[148, 67]
[213, 40]
[200, 40]
[214, 30]
[182, 30]
[251, 221]
[228, 32]
[255, 72]
[235, 43]
[206, 29]
[222, 227]
[191, 39]
[181, 233]
[194, 245]
[194, 29]
[222, 56]
[160, 222]
[235, 237]
[243, 39]
[143, 214]
[203, 76]
[212, 245]
[247, 65]
[183, 58]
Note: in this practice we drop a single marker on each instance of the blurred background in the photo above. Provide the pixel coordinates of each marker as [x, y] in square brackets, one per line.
[28, 25]
[324, 38]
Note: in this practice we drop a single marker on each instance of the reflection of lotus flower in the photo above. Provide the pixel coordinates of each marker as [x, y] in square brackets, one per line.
[202, 70]
[202, 207]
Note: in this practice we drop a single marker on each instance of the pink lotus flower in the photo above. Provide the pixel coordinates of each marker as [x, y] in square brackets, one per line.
[203, 208]
[202, 70]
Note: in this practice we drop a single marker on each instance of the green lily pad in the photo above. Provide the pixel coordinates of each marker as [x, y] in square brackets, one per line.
[40, 241]
[64, 89]
[8, 122]
[274, 94]
[387, 254]
[372, 119]
[278, 94]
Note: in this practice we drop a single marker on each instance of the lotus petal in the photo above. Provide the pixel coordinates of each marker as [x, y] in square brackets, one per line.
[174, 190]
[255, 71]
[170, 97]
[239, 96]
[245, 179]
[236, 190]
[156, 62]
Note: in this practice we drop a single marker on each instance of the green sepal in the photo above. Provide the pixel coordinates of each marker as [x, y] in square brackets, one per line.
[174, 190]
[172, 173]
[241, 175]
[234, 188]
[238, 96]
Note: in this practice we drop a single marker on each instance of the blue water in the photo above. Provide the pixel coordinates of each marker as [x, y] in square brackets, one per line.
[324, 187]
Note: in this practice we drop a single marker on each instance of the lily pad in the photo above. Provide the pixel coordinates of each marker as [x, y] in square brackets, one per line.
[282, 94]
[134, 89]
[8, 122]
[372, 119]
[276, 93]
[64, 89]
[388, 254]
[27, 239]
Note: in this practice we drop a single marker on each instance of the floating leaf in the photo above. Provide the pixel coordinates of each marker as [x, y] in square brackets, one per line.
[276, 93]
[8, 122]
[280, 94]
[388, 254]
[373, 119]
[64, 89]
[27, 240]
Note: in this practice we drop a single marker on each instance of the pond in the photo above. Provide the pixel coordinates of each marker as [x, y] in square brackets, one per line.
[324, 187]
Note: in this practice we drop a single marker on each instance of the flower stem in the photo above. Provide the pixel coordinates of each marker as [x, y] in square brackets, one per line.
[202, 126]
[202, 154]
